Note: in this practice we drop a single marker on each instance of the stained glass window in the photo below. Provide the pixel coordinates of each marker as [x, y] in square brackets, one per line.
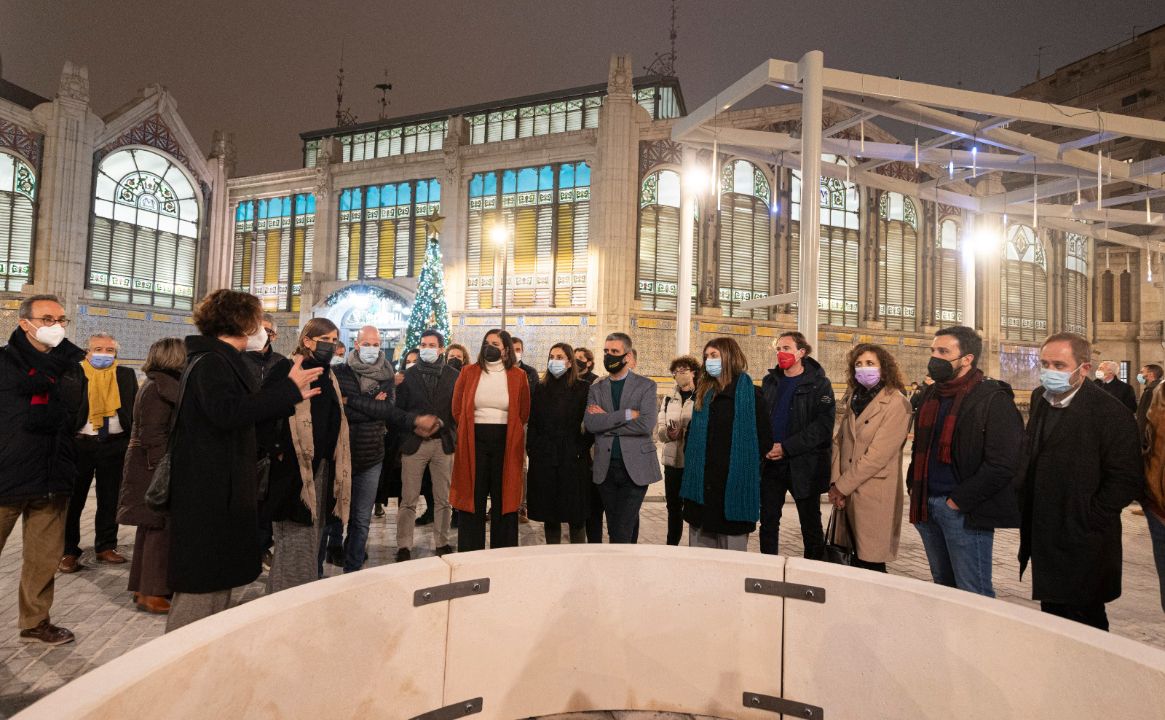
[1076, 283]
[537, 119]
[745, 237]
[382, 233]
[18, 186]
[272, 248]
[837, 269]
[545, 214]
[897, 261]
[948, 290]
[144, 242]
[1024, 289]
[659, 237]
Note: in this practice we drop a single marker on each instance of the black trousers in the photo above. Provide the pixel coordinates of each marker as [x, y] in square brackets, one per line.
[622, 499]
[775, 482]
[103, 460]
[672, 478]
[1093, 615]
[875, 566]
[554, 533]
[595, 518]
[489, 457]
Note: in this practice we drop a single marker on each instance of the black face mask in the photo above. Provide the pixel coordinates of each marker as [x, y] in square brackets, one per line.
[613, 363]
[940, 370]
[491, 353]
[454, 363]
[582, 365]
[324, 352]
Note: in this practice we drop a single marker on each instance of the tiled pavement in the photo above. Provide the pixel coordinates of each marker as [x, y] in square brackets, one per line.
[94, 604]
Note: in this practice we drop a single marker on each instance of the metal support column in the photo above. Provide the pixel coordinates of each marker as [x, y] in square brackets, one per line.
[811, 69]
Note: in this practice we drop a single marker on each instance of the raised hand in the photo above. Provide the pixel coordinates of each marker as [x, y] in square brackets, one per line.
[304, 377]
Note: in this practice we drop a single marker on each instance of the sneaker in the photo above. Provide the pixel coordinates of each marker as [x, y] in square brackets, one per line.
[403, 554]
[378, 510]
[47, 633]
[443, 550]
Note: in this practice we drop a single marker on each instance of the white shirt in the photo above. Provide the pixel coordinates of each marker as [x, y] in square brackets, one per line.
[114, 427]
[1064, 401]
[491, 404]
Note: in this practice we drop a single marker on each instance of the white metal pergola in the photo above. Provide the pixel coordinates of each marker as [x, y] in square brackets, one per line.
[1040, 171]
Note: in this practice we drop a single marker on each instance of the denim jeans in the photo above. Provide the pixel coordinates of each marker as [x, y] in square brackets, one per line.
[359, 515]
[622, 499]
[1157, 533]
[959, 556]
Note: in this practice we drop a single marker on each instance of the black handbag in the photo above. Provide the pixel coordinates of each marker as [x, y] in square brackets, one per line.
[158, 493]
[836, 552]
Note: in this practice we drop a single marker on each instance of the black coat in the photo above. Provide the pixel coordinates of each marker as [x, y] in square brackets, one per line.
[153, 408]
[36, 464]
[1120, 390]
[1143, 406]
[1079, 477]
[365, 431]
[127, 388]
[987, 454]
[558, 482]
[414, 395]
[261, 363]
[531, 375]
[709, 516]
[808, 446]
[214, 542]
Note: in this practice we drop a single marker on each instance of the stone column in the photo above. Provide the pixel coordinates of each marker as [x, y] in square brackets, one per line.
[324, 245]
[454, 191]
[219, 255]
[62, 234]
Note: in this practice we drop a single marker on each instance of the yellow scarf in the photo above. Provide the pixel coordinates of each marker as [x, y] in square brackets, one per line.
[104, 398]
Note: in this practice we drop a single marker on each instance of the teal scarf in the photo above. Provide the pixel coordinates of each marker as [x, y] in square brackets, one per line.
[742, 490]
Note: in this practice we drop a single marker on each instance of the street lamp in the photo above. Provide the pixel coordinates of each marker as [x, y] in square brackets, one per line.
[499, 235]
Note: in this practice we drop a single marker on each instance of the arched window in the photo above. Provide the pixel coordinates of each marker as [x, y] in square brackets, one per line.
[948, 291]
[382, 232]
[17, 216]
[659, 241]
[144, 244]
[897, 261]
[1076, 284]
[1024, 290]
[745, 237]
[273, 245]
[837, 274]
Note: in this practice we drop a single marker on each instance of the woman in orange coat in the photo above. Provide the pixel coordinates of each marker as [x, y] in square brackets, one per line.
[491, 404]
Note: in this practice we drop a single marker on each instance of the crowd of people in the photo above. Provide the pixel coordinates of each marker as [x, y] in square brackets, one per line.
[230, 457]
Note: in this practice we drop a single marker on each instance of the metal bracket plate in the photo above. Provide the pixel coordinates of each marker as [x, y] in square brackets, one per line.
[794, 591]
[791, 708]
[450, 591]
[451, 712]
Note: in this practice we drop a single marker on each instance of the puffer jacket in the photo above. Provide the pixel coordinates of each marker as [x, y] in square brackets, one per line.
[674, 409]
[366, 431]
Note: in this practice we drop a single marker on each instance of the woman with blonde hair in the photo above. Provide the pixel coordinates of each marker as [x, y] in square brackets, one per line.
[727, 437]
[866, 483]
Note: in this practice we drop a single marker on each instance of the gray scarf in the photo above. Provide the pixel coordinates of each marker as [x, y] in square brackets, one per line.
[371, 375]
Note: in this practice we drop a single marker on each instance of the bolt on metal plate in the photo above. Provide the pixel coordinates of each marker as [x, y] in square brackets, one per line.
[454, 711]
[793, 591]
[788, 708]
[451, 591]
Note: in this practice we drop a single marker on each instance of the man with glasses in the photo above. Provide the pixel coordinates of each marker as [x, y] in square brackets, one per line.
[39, 395]
[262, 361]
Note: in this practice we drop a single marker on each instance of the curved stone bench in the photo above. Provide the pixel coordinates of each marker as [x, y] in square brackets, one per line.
[562, 629]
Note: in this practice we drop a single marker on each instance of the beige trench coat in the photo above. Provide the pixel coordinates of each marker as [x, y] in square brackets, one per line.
[867, 469]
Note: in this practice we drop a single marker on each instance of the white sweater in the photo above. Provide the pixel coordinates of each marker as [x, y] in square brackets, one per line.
[491, 404]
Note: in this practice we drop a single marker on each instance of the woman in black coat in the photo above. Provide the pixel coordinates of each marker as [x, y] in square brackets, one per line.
[213, 483]
[558, 479]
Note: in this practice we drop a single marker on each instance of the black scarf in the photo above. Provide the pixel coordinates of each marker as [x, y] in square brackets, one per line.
[862, 396]
[430, 374]
[43, 372]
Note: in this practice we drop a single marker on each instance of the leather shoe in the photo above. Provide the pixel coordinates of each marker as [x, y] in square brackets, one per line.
[47, 633]
[403, 554]
[70, 564]
[444, 550]
[378, 510]
[111, 557]
[154, 604]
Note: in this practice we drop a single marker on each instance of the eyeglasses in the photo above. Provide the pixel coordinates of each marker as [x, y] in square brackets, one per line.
[48, 320]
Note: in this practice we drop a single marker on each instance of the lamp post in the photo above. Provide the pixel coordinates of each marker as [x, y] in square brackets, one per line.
[499, 236]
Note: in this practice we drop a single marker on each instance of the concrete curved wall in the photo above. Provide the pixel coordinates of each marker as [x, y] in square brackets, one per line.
[592, 627]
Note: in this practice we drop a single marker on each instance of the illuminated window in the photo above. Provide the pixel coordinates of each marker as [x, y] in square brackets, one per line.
[544, 118]
[745, 237]
[17, 218]
[382, 233]
[837, 273]
[273, 246]
[1024, 290]
[659, 241]
[897, 261]
[1076, 284]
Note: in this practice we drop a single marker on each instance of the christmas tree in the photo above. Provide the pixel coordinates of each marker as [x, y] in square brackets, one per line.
[429, 308]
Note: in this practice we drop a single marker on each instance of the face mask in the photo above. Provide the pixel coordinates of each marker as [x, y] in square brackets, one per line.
[491, 353]
[429, 355]
[257, 340]
[455, 363]
[368, 355]
[324, 352]
[1056, 382]
[517, 357]
[337, 360]
[1099, 374]
[868, 376]
[100, 361]
[940, 370]
[786, 360]
[557, 368]
[1140, 378]
[713, 366]
[409, 365]
[50, 335]
[581, 365]
[613, 363]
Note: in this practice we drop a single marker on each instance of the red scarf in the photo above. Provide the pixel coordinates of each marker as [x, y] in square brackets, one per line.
[958, 389]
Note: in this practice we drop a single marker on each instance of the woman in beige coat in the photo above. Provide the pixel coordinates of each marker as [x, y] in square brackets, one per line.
[867, 455]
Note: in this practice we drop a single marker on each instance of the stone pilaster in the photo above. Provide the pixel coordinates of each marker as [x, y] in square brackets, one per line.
[324, 249]
[454, 191]
[217, 267]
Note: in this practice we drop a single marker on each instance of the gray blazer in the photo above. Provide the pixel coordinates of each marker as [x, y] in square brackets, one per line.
[635, 438]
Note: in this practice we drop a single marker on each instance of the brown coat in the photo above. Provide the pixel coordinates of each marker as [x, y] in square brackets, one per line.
[867, 469]
[148, 440]
[303, 441]
[464, 461]
[1153, 448]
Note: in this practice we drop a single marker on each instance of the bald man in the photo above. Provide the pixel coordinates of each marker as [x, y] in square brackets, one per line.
[1106, 377]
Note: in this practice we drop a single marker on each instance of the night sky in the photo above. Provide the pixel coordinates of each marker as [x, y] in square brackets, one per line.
[266, 70]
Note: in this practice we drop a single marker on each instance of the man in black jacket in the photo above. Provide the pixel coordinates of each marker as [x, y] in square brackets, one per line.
[427, 390]
[967, 451]
[799, 401]
[1149, 376]
[531, 373]
[102, 430]
[1106, 378]
[39, 395]
[268, 434]
[1084, 466]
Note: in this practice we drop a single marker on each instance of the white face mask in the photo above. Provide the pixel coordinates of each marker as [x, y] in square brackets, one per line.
[337, 360]
[257, 340]
[429, 355]
[368, 355]
[50, 335]
[409, 365]
[1099, 374]
[517, 357]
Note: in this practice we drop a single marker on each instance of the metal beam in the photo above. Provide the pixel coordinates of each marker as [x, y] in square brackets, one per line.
[770, 71]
